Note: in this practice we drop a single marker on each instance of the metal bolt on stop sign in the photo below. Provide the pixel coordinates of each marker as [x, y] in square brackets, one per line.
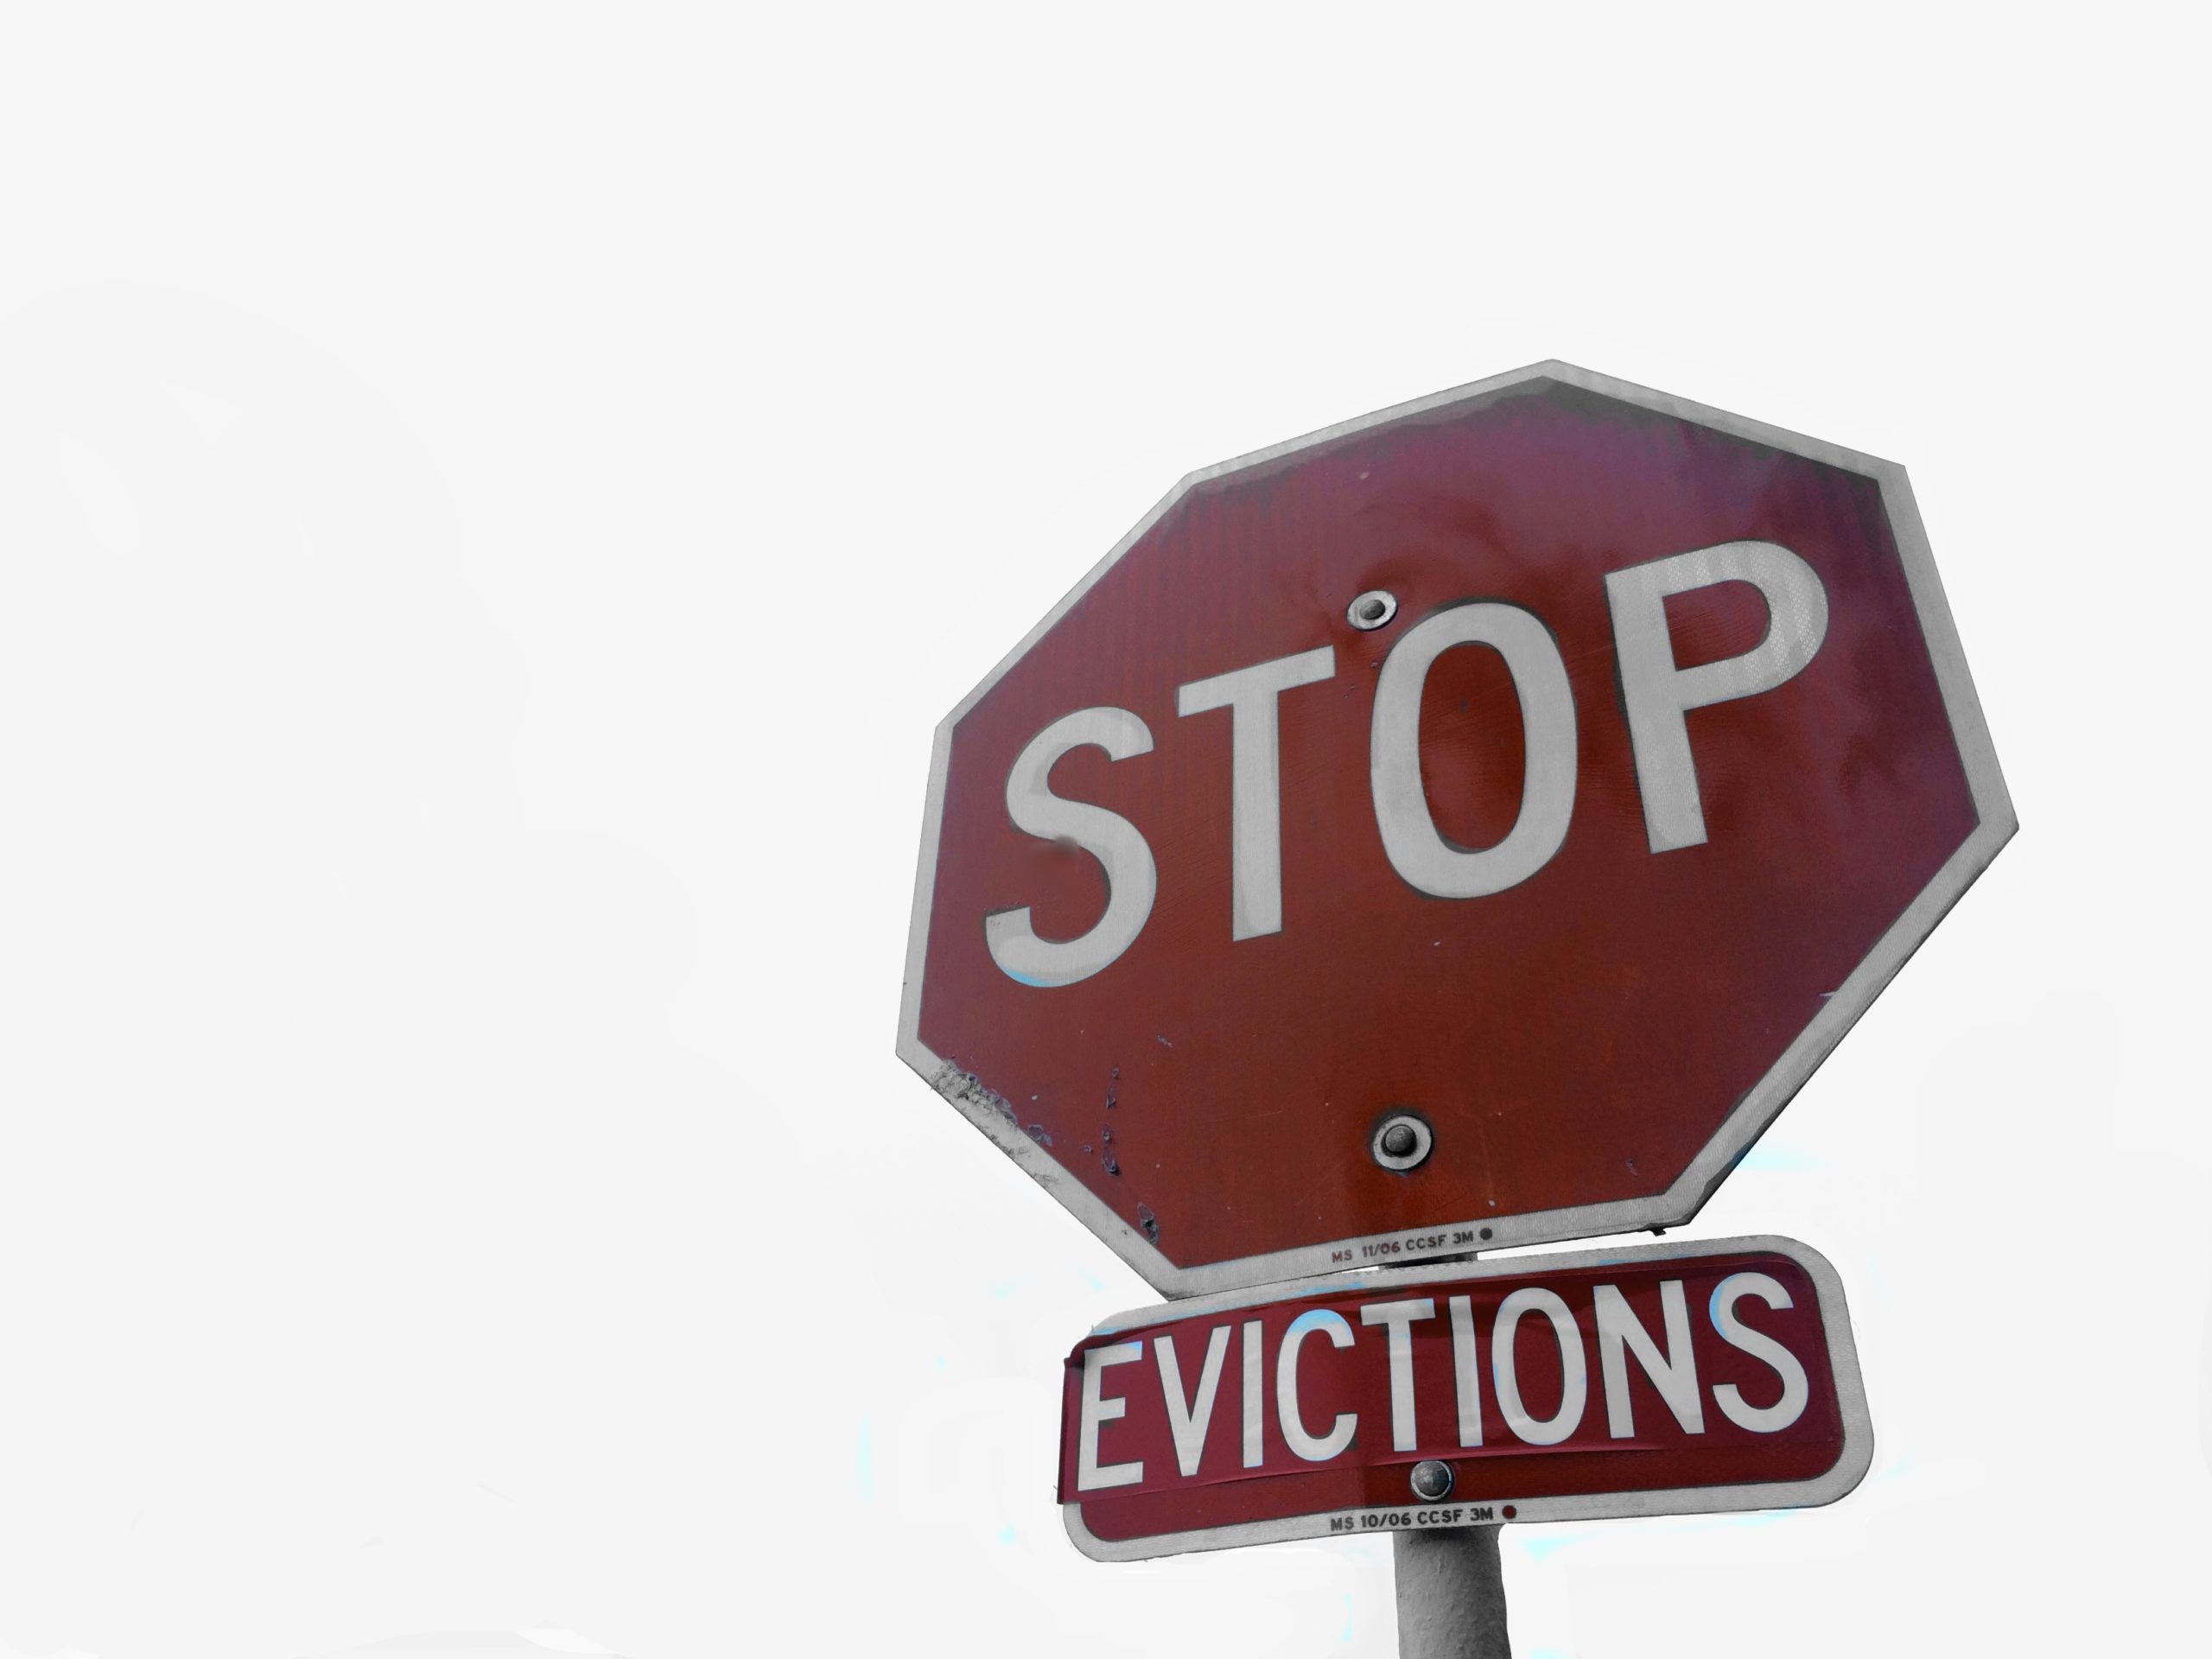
[1371, 610]
[1402, 1141]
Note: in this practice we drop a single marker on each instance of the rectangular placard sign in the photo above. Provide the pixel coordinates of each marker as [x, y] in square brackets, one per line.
[1651, 1380]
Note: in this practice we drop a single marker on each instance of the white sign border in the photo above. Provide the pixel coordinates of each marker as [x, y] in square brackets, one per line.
[1760, 1105]
[1849, 1469]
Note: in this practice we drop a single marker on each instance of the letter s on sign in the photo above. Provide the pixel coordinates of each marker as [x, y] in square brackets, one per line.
[1109, 837]
[1760, 1420]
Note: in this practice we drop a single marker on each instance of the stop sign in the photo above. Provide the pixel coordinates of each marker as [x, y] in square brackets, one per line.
[1464, 827]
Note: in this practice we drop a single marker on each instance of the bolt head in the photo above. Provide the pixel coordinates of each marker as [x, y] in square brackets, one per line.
[1431, 1480]
[1400, 1143]
[1371, 610]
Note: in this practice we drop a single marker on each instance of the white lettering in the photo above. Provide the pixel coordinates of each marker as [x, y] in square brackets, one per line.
[1674, 1373]
[1657, 693]
[1255, 1372]
[1400, 1317]
[1417, 850]
[1256, 771]
[1091, 1476]
[1106, 837]
[1574, 1371]
[1467, 1371]
[1312, 1448]
[1760, 1420]
[1189, 1420]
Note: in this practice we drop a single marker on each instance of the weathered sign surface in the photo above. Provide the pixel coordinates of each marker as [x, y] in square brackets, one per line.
[1662, 1380]
[1462, 828]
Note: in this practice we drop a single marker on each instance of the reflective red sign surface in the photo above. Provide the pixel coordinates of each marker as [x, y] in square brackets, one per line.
[1661, 762]
[1717, 1375]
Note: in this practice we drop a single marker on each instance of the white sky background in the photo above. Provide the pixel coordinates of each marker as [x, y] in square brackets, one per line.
[492, 502]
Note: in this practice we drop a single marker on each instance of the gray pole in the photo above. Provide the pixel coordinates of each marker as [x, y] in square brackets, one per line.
[1451, 1594]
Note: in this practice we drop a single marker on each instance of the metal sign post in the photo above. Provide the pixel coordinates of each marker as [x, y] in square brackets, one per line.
[1462, 828]
[1451, 1595]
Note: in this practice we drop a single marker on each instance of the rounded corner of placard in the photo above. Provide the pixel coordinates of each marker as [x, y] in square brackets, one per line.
[1852, 1465]
[1835, 1305]
[1823, 1271]
[1087, 1542]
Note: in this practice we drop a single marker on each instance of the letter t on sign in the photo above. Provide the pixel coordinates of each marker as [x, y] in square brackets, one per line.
[1255, 766]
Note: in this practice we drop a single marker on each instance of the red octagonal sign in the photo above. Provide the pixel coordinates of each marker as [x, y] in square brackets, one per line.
[1465, 827]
